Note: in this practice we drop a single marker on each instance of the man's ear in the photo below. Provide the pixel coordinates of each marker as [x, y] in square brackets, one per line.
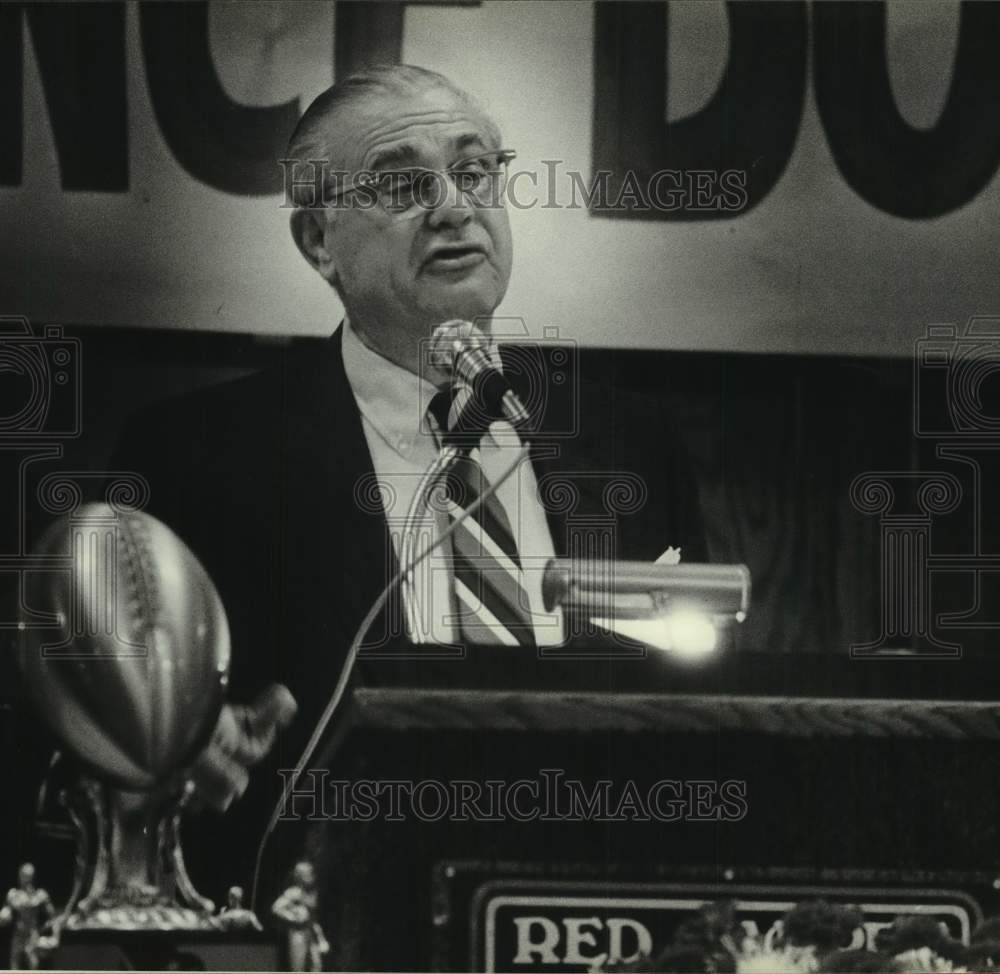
[308, 228]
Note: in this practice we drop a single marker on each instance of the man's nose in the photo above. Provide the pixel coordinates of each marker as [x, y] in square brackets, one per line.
[449, 208]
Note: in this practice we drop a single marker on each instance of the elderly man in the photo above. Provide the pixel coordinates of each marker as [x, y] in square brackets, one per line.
[420, 238]
[274, 479]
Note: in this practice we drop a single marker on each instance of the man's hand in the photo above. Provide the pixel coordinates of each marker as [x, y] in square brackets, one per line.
[243, 736]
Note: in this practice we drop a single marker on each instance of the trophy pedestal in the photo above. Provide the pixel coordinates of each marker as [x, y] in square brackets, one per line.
[133, 906]
[132, 681]
[162, 950]
[130, 873]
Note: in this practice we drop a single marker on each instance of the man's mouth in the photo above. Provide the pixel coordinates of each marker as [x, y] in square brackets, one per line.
[454, 258]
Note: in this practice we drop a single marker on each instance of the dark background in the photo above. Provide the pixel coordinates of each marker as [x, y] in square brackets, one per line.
[775, 442]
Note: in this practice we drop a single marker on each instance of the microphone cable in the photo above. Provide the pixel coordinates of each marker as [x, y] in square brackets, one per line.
[348, 666]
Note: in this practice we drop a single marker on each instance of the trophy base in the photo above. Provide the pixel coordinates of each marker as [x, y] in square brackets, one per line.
[161, 950]
[156, 918]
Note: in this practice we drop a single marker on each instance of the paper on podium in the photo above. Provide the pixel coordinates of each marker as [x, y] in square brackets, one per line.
[672, 556]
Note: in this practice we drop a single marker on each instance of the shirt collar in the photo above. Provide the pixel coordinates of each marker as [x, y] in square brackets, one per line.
[391, 398]
[394, 400]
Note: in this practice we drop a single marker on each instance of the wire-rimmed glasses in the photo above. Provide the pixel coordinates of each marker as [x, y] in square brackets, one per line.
[404, 193]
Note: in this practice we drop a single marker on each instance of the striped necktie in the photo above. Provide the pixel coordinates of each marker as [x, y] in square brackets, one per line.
[488, 580]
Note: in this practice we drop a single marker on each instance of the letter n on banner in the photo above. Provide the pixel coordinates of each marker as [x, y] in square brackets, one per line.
[80, 53]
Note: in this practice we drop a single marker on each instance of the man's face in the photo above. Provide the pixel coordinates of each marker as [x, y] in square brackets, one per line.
[26, 876]
[449, 261]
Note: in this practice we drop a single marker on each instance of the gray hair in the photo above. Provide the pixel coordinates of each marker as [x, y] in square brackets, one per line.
[313, 135]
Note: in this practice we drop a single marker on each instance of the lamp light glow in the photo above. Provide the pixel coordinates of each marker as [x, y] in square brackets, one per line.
[676, 608]
[688, 635]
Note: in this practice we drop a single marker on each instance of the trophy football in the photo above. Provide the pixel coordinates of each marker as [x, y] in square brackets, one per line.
[131, 677]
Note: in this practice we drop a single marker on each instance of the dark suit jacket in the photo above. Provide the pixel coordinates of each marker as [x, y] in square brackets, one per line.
[268, 479]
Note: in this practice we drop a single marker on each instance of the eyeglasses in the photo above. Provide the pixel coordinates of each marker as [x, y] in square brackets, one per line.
[405, 193]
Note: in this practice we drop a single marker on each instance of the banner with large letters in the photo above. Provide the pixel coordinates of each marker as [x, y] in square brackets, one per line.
[789, 176]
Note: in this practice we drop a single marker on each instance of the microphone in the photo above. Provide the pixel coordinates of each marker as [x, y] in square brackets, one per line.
[463, 351]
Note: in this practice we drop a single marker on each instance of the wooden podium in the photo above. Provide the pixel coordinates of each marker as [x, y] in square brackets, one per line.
[792, 777]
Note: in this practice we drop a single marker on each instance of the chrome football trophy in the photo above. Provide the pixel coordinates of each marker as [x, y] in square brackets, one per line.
[130, 673]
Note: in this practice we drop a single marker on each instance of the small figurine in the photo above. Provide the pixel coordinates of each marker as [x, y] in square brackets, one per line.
[296, 911]
[235, 916]
[31, 910]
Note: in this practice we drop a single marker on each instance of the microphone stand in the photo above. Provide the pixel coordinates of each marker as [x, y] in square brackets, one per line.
[477, 370]
[419, 508]
[445, 459]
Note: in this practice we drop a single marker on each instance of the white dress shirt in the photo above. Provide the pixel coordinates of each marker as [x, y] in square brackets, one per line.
[402, 440]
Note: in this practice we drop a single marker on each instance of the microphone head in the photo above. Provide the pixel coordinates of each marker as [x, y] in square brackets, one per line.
[469, 356]
[451, 338]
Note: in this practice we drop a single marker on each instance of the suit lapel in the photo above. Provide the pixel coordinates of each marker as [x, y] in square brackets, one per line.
[333, 508]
